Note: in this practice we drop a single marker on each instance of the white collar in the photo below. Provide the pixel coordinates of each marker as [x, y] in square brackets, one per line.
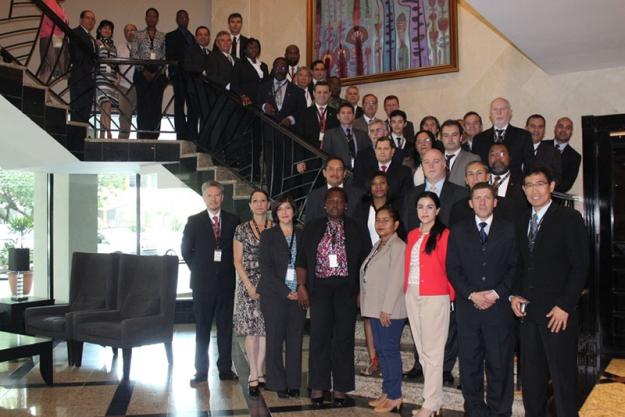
[488, 222]
[542, 211]
[501, 128]
[340, 185]
[456, 152]
[388, 165]
[211, 215]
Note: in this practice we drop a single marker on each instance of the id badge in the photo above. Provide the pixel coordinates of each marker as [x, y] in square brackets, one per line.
[108, 69]
[321, 136]
[290, 274]
[152, 55]
[217, 257]
[334, 260]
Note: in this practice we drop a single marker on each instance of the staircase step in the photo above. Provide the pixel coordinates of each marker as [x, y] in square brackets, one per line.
[187, 147]
[127, 150]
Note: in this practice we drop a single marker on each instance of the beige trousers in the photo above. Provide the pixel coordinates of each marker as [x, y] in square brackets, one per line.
[429, 323]
[127, 105]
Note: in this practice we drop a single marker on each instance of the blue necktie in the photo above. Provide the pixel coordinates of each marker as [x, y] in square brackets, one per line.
[483, 235]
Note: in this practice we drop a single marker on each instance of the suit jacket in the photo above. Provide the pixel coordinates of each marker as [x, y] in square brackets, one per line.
[461, 210]
[518, 141]
[293, 103]
[450, 193]
[548, 155]
[462, 159]
[360, 124]
[243, 40]
[398, 175]
[176, 45]
[315, 201]
[514, 204]
[355, 244]
[366, 164]
[473, 267]
[308, 126]
[361, 215]
[82, 55]
[198, 247]
[556, 272]
[358, 112]
[408, 132]
[571, 160]
[246, 80]
[384, 276]
[196, 61]
[273, 259]
[221, 71]
[335, 144]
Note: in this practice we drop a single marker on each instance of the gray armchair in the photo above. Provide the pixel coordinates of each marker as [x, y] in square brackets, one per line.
[146, 300]
[93, 286]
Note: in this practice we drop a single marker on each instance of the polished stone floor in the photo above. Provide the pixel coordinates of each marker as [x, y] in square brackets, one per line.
[154, 390]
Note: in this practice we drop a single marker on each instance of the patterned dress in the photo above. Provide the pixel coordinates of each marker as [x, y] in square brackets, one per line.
[248, 319]
[107, 74]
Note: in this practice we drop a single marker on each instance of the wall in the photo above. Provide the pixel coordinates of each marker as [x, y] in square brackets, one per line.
[489, 67]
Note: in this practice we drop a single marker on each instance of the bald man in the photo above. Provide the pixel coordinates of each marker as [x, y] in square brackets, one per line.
[571, 159]
[518, 141]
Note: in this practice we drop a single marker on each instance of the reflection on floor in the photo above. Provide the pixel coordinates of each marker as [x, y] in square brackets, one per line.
[607, 398]
[154, 390]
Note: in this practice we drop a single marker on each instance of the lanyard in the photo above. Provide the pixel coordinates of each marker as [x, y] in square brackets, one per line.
[258, 229]
[275, 90]
[291, 248]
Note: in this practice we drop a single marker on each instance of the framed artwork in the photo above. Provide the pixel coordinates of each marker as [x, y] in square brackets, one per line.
[364, 41]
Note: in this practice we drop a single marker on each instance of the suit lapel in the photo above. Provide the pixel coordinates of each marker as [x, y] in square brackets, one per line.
[209, 226]
[546, 221]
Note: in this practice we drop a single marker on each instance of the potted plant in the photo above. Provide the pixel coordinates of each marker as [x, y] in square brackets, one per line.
[22, 226]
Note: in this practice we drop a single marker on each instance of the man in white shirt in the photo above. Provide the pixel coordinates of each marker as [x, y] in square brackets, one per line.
[456, 158]
[545, 153]
[472, 123]
[370, 108]
[303, 77]
[128, 96]
[352, 95]
[235, 22]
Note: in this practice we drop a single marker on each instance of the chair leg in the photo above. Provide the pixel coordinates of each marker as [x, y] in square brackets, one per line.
[114, 352]
[77, 353]
[169, 352]
[127, 355]
[70, 359]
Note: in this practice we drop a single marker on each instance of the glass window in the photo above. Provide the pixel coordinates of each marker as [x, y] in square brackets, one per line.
[117, 213]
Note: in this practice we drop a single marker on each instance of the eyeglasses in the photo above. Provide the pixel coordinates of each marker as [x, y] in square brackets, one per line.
[539, 184]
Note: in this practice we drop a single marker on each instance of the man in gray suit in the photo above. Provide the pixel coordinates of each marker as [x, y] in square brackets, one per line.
[370, 108]
[456, 158]
[345, 141]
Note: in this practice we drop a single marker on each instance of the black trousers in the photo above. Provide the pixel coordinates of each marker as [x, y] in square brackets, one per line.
[284, 327]
[82, 96]
[544, 355]
[486, 338]
[198, 102]
[149, 104]
[180, 99]
[451, 347]
[332, 325]
[206, 307]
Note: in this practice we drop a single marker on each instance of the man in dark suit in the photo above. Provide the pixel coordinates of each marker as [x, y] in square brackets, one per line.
[345, 141]
[391, 103]
[571, 159]
[235, 23]
[456, 158]
[176, 43]
[82, 52]
[506, 183]
[221, 68]
[196, 66]
[366, 159]
[518, 141]
[472, 124]
[399, 176]
[482, 264]
[554, 267]
[396, 124]
[302, 80]
[475, 172]
[207, 250]
[352, 95]
[545, 153]
[369, 108]
[291, 54]
[334, 172]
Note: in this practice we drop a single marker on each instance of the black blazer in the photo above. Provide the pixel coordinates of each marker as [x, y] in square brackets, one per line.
[356, 245]
[335, 144]
[473, 267]
[461, 210]
[514, 204]
[556, 273]
[82, 55]
[246, 80]
[198, 247]
[243, 40]
[408, 133]
[450, 194]
[220, 69]
[308, 125]
[398, 175]
[358, 112]
[571, 160]
[293, 104]
[518, 141]
[361, 215]
[176, 45]
[273, 259]
[196, 61]
[366, 164]
[315, 201]
[548, 155]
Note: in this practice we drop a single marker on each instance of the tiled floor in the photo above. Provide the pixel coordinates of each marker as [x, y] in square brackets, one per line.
[154, 390]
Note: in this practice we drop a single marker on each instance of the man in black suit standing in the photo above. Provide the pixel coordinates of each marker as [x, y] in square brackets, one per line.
[196, 66]
[352, 96]
[176, 44]
[397, 124]
[207, 251]
[345, 141]
[391, 103]
[518, 141]
[554, 267]
[291, 54]
[482, 264]
[235, 23]
[571, 159]
[546, 154]
[472, 124]
[221, 62]
[506, 183]
[82, 51]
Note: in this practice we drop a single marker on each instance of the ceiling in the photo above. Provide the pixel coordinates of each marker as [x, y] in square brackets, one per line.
[561, 36]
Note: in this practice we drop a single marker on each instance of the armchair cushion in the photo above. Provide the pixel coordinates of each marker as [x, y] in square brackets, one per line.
[88, 302]
[138, 305]
[47, 325]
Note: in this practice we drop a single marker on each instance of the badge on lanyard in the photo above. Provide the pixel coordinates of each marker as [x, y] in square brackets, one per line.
[321, 136]
[334, 260]
[152, 54]
[217, 257]
[290, 274]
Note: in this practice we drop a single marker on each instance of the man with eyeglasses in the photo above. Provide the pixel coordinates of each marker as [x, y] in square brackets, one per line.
[369, 108]
[554, 265]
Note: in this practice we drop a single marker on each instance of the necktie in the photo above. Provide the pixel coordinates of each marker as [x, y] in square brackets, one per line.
[433, 188]
[483, 235]
[216, 227]
[307, 95]
[560, 148]
[322, 119]
[531, 236]
[350, 143]
[292, 72]
[383, 168]
[448, 159]
[499, 135]
[496, 183]
[234, 46]
[280, 96]
[205, 51]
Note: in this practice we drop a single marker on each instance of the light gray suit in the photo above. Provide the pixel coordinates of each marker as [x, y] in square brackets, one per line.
[361, 124]
[461, 160]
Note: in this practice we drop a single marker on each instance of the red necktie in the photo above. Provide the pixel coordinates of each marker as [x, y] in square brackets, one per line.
[216, 228]
[384, 168]
[322, 119]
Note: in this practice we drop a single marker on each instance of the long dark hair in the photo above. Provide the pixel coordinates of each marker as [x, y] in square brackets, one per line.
[438, 227]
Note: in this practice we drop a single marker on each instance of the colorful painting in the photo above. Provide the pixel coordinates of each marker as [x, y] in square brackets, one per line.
[373, 40]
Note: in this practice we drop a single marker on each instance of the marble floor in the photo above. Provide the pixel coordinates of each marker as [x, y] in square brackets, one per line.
[154, 390]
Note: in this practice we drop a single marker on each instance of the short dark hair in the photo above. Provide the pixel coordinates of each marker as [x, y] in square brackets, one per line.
[430, 117]
[369, 95]
[182, 11]
[391, 97]
[202, 27]
[152, 9]
[336, 190]
[285, 198]
[535, 116]
[385, 139]
[280, 58]
[472, 113]
[253, 40]
[321, 83]
[398, 112]
[499, 144]
[234, 15]
[482, 186]
[453, 122]
[315, 62]
[345, 105]
[258, 190]
[333, 158]
[103, 24]
[430, 135]
[82, 14]
[537, 169]
[391, 210]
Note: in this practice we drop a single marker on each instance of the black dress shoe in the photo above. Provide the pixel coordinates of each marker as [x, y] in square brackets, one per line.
[448, 378]
[197, 380]
[294, 393]
[317, 402]
[254, 390]
[283, 393]
[414, 375]
[228, 376]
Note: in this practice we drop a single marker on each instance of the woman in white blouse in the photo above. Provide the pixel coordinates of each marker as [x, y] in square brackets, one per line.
[249, 72]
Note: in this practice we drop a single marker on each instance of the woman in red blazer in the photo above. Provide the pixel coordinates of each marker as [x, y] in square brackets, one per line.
[428, 297]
